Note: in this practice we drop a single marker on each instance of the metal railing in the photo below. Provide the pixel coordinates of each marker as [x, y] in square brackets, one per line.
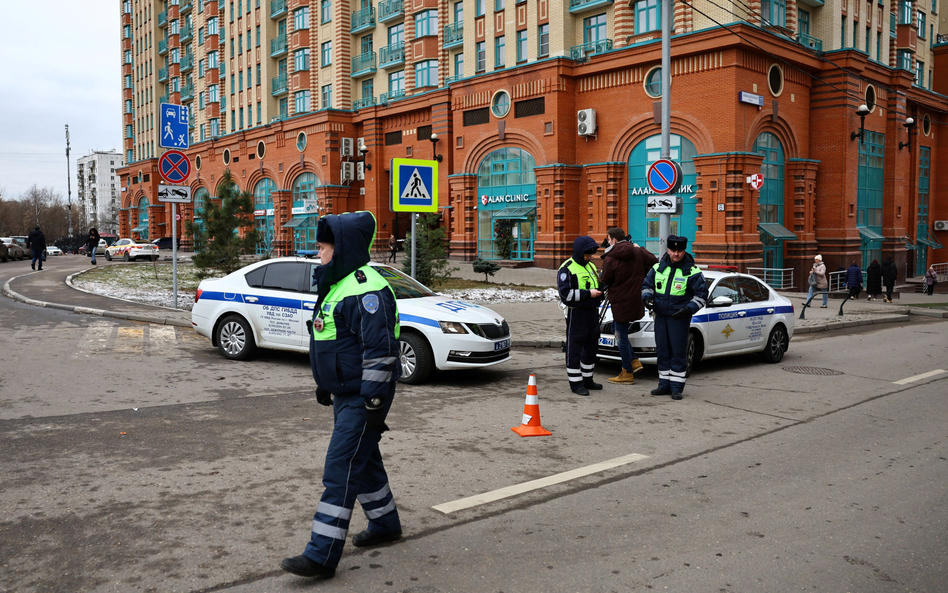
[392, 54]
[162, 46]
[187, 62]
[391, 96]
[451, 79]
[580, 52]
[162, 74]
[390, 9]
[811, 42]
[362, 19]
[277, 8]
[453, 33]
[363, 64]
[363, 102]
[162, 18]
[837, 280]
[185, 33]
[185, 6]
[776, 278]
[278, 85]
[187, 92]
[278, 45]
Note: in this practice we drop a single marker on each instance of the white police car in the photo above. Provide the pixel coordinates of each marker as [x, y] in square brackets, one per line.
[267, 305]
[743, 315]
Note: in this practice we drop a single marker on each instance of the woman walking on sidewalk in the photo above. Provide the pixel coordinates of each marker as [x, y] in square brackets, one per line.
[818, 281]
[889, 274]
[874, 280]
[854, 280]
[92, 243]
[931, 279]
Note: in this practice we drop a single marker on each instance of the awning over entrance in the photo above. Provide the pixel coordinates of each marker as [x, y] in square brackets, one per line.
[869, 234]
[777, 231]
[510, 213]
[930, 242]
[295, 222]
[140, 228]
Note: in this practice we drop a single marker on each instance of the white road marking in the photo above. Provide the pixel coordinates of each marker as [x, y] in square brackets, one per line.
[96, 337]
[161, 338]
[920, 377]
[479, 499]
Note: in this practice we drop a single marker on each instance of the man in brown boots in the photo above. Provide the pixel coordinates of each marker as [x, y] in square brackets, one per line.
[624, 267]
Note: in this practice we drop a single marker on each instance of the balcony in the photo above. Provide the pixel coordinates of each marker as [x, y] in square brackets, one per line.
[363, 65]
[451, 79]
[811, 42]
[363, 20]
[453, 35]
[577, 6]
[163, 99]
[393, 55]
[187, 93]
[906, 37]
[591, 48]
[390, 10]
[186, 6]
[391, 96]
[278, 85]
[277, 8]
[162, 46]
[163, 18]
[186, 33]
[277, 46]
[363, 102]
[162, 75]
[187, 63]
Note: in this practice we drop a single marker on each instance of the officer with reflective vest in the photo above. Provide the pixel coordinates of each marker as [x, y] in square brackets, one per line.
[353, 351]
[578, 285]
[674, 290]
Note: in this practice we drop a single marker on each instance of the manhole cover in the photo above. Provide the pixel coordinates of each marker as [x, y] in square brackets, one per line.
[812, 371]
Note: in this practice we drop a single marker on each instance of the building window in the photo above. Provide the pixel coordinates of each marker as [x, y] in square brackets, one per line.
[325, 53]
[396, 81]
[904, 60]
[775, 80]
[325, 11]
[240, 79]
[284, 108]
[326, 93]
[241, 118]
[594, 28]
[426, 23]
[500, 51]
[396, 34]
[367, 45]
[301, 59]
[648, 15]
[459, 12]
[426, 73]
[879, 46]
[479, 8]
[543, 41]
[213, 93]
[301, 101]
[212, 61]
[480, 56]
[368, 88]
[498, 5]
[259, 114]
[500, 104]
[920, 23]
[774, 12]
[905, 12]
[258, 69]
[258, 35]
[301, 18]
[521, 46]
[653, 83]
[212, 26]
[920, 73]
[459, 64]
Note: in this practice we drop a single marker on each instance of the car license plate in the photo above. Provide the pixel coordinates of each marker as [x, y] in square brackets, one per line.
[502, 345]
[607, 341]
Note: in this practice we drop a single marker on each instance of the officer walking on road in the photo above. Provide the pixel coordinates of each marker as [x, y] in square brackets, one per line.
[674, 289]
[578, 285]
[353, 351]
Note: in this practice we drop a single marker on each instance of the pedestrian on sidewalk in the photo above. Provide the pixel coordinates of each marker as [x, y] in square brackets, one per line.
[36, 241]
[624, 266]
[854, 280]
[92, 243]
[578, 284]
[931, 279]
[392, 248]
[353, 352]
[874, 280]
[889, 275]
[674, 290]
[817, 280]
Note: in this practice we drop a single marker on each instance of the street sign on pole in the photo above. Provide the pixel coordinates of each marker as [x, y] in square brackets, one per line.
[174, 193]
[174, 126]
[414, 185]
[174, 167]
[662, 205]
[664, 176]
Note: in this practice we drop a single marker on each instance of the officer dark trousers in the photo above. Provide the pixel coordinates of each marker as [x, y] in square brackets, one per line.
[582, 344]
[671, 340]
[353, 471]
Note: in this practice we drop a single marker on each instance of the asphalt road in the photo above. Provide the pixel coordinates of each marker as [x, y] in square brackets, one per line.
[135, 458]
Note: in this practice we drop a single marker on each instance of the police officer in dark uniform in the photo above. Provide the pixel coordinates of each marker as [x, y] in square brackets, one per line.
[674, 290]
[353, 352]
[578, 284]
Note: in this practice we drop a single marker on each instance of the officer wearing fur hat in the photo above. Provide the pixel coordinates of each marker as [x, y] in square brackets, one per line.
[353, 352]
[578, 283]
[674, 290]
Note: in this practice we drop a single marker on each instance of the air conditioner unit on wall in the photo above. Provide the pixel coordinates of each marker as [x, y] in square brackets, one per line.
[347, 172]
[345, 148]
[360, 145]
[586, 122]
[941, 225]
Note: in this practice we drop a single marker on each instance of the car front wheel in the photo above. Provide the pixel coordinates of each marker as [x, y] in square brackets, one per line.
[777, 345]
[234, 338]
[108, 256]
[692, 353]
[416, 358]
[126, 257]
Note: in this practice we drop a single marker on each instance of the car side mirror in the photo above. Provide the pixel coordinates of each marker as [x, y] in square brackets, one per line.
[722, 301]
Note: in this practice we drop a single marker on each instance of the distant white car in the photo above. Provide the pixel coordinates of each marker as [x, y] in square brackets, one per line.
[129, 249]
[743, 315]
[267, 305]
[53, 250]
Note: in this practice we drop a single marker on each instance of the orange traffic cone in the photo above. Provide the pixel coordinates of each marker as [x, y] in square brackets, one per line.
[531, 414]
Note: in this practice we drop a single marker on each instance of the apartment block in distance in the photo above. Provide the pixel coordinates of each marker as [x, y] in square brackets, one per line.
[546, 115]
[98, 189]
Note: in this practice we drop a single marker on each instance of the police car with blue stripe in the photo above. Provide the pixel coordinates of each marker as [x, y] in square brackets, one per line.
[743, 316]
[267, 305]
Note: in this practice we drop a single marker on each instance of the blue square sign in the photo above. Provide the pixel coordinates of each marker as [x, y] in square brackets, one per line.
[414, 185]
[174, 126]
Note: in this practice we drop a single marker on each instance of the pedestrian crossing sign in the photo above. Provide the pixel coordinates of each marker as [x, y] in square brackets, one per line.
[414, 185]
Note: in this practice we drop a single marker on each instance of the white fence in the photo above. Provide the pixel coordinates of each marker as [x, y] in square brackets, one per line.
[777, 278]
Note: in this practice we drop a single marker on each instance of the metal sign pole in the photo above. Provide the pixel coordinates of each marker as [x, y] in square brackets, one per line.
[174, 252]
[414, 252]
[664, 219]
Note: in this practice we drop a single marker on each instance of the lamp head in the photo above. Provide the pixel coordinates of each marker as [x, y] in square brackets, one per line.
[909, 122]
[862, 111]
[434, 138]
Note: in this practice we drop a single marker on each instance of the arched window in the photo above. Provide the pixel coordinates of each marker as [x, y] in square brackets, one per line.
[262, 192]
[199, 197]
[507, 187]
[304, 226]
[304, 187]
[142, 228]
[770, 201]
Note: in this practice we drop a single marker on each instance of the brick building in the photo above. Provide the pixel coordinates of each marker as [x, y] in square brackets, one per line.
[760, 86]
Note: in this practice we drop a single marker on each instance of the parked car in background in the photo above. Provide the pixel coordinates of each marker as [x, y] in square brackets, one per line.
[3, 252]
[130, 249]
[14, 249]
[53, 250]
[165, 243]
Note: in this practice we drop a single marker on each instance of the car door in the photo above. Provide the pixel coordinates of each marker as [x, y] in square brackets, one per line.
[727, 328]
[274, 300]
[759, 311]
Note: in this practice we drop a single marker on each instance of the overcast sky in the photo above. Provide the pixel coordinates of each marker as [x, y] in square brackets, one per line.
[60, 63]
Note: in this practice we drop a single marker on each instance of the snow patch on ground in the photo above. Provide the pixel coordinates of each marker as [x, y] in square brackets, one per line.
[501, 295]
[148, 296]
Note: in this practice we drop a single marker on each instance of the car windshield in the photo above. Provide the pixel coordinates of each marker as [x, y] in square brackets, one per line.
[405, 286]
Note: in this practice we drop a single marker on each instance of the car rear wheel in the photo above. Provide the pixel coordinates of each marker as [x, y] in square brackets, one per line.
[416, 358]
[108, 256]
[234, 338]
[777, 345]
[126, 257]
[692, 352]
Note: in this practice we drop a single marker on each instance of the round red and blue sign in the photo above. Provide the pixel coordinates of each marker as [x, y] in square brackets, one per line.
[174, 166]
[664, 176]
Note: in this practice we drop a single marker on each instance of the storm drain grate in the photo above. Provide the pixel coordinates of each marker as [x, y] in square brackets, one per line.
[812, 371]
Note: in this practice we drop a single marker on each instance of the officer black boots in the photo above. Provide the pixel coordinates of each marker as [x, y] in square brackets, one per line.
[304, 567]
[578, 388]
[591, 385]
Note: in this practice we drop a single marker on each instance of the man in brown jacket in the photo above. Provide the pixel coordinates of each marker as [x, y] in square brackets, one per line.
[624, 267]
